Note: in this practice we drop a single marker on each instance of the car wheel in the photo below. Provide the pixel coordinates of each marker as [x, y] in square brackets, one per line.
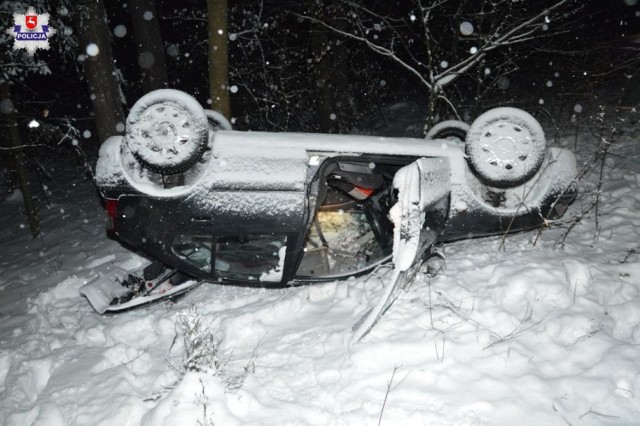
[217, 121]
[449, 129]
[505, 147]
[167, 131]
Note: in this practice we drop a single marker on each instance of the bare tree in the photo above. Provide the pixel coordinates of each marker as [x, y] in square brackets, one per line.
[99, 68]
[432, 49]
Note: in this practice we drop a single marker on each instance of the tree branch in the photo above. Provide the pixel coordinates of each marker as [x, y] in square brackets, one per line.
[375, 47]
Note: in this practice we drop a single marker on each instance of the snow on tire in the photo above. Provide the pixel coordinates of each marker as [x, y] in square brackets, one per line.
[217, 121]
[167, 131]
[505, 147]
[448, 129]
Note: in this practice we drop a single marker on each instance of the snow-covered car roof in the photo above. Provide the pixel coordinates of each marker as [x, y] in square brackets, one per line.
[261, 142]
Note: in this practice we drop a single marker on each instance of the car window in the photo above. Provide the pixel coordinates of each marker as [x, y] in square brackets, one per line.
[339, 243]
[194, 249]
[350, 231]
[259, 257]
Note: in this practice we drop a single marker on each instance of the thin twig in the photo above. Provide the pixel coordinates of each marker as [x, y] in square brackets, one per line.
[375, 47]
[518, 330]
[524, 197]
[390, 388]
[386, 394]
[630, 253]
[20, 147]
[430, 303]
[595, 413]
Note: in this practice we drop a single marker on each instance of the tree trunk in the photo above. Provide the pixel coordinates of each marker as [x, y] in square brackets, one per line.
[431, 110]
[19, 163]
[151, 57]
[99, 68]
[218, 57]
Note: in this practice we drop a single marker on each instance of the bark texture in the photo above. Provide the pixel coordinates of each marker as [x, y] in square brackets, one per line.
[99, 69]
[218, 56]
[151, 57]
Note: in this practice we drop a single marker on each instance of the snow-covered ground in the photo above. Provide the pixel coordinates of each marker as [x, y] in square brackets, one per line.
[513, 333]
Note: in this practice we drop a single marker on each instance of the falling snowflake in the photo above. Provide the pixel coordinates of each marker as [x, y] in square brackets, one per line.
[466, 28]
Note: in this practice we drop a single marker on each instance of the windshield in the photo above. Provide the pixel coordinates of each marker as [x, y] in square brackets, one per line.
[259, 257]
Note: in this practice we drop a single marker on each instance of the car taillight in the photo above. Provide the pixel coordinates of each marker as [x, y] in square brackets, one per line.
[111, 206]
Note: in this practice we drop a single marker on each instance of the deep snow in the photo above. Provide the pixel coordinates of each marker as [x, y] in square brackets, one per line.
[508, 333]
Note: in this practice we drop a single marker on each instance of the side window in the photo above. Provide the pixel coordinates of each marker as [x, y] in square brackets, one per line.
[194, 249]
[250, 257]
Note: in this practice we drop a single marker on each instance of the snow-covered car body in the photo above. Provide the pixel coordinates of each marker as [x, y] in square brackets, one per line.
[257, 206]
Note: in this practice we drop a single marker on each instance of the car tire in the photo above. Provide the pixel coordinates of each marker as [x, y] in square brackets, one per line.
[449, 129]
[505, 147]
[217, 121]
[167, 131]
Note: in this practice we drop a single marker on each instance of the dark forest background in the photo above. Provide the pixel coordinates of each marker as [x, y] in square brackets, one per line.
[283, 66]
[339, 66]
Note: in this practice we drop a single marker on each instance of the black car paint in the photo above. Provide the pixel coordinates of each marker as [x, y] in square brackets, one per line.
[150, 223]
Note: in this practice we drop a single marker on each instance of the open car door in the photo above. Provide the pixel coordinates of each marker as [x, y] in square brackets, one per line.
[418, 217]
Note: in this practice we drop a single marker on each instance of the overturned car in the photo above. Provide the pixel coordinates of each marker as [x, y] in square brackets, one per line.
[274, 208]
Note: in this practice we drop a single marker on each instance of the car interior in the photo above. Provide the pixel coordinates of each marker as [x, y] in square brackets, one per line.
[350, 231]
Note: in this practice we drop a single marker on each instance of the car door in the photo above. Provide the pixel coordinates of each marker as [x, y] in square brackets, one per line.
[419, 215]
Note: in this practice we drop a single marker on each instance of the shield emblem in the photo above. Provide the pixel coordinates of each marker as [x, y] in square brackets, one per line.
[31, 21]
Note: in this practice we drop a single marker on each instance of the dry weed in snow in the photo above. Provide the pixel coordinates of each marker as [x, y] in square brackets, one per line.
[201, 342]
